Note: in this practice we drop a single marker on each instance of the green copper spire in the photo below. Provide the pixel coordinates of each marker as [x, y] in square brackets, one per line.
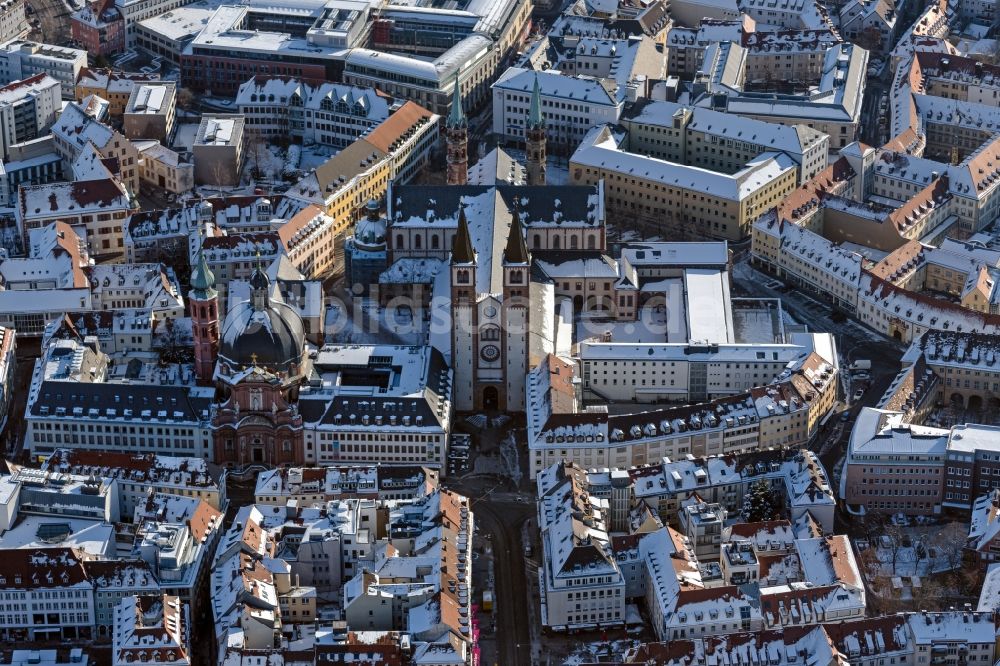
[535, 117]
[456, 117]
[202, 279]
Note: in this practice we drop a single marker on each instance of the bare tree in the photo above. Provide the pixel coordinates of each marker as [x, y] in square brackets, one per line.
[255, 144]
[883, 533]
[185, 98]
[950, 542]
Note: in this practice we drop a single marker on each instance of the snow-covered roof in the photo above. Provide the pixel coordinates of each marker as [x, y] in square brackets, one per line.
[601, 150]
[878, 432]
[72, 199]
[279, 90]
[951, 626]
[794, 139]
[557, 87]
[989, 595]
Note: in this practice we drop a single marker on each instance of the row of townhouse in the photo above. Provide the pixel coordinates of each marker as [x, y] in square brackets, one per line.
[589, 573]
[905, 638]
[783, 413]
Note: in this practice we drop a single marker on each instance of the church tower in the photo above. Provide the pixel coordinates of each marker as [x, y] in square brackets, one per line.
[457, 138]
[204, 302]
[516, 284]
[534, 136]
[464, 315]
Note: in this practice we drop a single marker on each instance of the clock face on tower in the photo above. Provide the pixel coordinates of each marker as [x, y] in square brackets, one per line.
[490, 353]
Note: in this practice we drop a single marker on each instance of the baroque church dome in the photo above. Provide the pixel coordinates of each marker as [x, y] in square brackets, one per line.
[370, 230]
[263, 332]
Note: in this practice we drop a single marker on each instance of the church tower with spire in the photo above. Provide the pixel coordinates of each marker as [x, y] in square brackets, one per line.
[534, 139]
[457, 140]
[204, 302]
[516, 285]
[464, 315]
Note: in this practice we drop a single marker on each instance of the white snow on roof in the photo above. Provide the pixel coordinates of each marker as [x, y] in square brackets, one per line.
[556, 86]
[953, 626]
[706, 289]
[600, 149]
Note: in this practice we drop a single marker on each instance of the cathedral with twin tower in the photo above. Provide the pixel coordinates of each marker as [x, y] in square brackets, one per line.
[494, 235]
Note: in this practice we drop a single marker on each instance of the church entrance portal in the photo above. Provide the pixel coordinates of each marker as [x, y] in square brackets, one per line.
[491, 398]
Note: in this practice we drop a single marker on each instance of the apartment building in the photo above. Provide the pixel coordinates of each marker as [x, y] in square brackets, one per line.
[870, 23]
[13, 20]
[393, 152]
[134, 474]
[96, 207]
[432, 602]
[708, 139]
[151, 629]
[832, 105]
[795, 475]
[28, 108]
[659, 195]
[964, 364]
[327, 114]
[110, 85]
[786, 56]
[722, 426]
[319, 485]
[156, 412]
[309, 241]
[791, 14]
[685, 45]
[581, 583]
[572, 106]
[20, 59]
[48, 595]
[152, 235]
[808, 260]
[81, 125]
[98, 27]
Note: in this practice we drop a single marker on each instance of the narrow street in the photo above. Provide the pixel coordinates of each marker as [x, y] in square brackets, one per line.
[501, 511]
[53, 17]
[502, 521]
[854, 342]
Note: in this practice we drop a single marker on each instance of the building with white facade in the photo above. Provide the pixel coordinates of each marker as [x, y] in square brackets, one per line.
[21, 59]
[327, 114]
[28, 108]
[152, 630]
[571, 104]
